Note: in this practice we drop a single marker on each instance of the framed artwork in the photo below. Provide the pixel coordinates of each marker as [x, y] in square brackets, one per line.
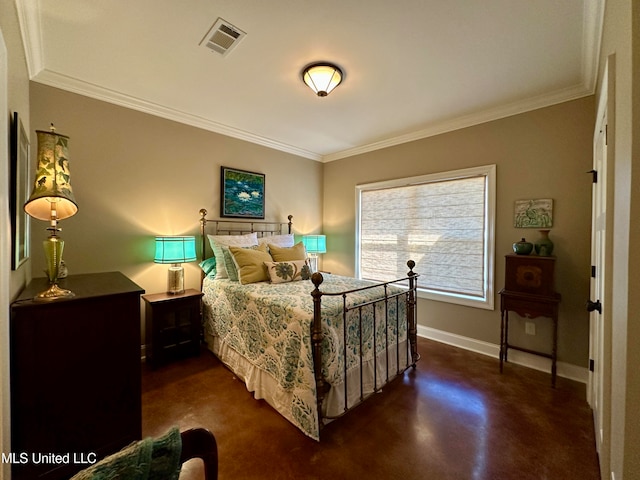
[241, 194]
[535, 213]
[19, 185]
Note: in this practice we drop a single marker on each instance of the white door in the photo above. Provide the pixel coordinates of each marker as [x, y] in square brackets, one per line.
[599, 388]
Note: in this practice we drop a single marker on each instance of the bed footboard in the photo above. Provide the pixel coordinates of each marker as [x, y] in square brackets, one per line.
[405, 299]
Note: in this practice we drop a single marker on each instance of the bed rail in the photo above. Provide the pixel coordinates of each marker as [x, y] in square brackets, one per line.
[409, 297]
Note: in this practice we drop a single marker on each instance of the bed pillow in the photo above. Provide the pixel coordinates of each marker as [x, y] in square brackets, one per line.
[286, 254]
[280, 272]
[217, 241]
[208, 266]
[286, 240]
[250, 263]
[230, 264]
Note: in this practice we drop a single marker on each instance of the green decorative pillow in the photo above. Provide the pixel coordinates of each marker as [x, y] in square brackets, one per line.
[287, 254]
[250, 263]
[280, 272]
[208, 266]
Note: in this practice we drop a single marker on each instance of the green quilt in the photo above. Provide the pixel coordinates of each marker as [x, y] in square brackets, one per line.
[270, 325]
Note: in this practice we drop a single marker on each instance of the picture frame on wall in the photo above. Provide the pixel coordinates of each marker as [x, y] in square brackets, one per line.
[242, 194]
[19, 192]
[533, 213]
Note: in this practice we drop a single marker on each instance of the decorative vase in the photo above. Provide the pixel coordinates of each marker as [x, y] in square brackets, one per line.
[544, 245]
[522, 247]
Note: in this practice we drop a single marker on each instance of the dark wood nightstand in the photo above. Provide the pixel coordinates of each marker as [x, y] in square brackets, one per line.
[75, 373]
[529, 291]
[172, 325]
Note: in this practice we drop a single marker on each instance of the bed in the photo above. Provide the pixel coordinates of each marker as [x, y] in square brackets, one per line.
[313, 346]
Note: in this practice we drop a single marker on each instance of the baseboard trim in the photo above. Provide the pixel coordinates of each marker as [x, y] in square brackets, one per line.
[566, 370]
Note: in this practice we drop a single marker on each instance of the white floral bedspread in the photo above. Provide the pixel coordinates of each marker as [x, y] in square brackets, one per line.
[270, 325]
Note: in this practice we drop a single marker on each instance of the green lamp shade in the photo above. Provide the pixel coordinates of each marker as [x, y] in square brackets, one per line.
[315, 243]
[175, 249]
[52, 185]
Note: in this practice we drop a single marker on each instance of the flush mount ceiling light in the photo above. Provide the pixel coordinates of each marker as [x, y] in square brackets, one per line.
[322, 78]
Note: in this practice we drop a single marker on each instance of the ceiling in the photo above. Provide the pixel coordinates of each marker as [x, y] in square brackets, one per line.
[413, 68]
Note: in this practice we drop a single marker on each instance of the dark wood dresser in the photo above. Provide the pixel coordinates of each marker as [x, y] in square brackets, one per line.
[530, 292]
[75, 375]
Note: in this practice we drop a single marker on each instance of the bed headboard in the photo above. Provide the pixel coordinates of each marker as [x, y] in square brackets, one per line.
[239, 227]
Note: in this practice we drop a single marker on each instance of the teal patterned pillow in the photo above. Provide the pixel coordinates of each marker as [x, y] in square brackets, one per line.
[291, 271]
[208, 266]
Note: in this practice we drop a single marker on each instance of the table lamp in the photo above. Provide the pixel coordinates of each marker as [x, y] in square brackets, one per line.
[175, 250]
[314, 244]
[52, 200]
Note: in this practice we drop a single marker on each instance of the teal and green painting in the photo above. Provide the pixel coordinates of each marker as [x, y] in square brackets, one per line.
[537, 213]
[242, 194]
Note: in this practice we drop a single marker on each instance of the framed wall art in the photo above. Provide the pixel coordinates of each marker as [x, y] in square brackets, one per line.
[241, 194]
[19, 185]
[534, 213]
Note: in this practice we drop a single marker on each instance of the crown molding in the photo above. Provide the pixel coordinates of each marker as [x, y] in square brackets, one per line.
[80, 87]
[464, 121]
[29, 19]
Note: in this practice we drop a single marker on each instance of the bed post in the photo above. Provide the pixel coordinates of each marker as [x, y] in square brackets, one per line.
[412, 320]
[203, 223]
[290, 224]
[322, 386]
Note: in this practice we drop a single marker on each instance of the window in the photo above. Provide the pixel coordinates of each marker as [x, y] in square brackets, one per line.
[444, 222]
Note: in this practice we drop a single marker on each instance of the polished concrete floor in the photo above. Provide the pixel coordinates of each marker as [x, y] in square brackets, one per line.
[454, 417]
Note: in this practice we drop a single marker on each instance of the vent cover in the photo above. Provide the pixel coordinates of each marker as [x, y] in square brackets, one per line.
[222, 37]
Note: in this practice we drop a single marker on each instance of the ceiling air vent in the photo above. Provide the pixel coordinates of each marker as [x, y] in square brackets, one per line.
[222, 37]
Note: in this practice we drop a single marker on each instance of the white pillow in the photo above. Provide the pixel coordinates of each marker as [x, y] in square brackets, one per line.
[286, 240]
[280, 272]
[216, 242]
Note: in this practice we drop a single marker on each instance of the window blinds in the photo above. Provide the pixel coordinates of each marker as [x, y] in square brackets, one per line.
[439, 225]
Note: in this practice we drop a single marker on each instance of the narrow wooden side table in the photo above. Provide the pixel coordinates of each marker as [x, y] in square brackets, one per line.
[530, 292]
[529, 306]
[172, 326]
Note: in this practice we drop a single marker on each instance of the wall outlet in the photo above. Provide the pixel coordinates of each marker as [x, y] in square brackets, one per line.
[530, 328]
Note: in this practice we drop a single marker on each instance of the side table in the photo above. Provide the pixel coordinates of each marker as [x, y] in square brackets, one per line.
[172, 325]
[529, 306]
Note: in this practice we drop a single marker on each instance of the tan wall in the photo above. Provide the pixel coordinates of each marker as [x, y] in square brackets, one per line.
[541, 154]
[12, 282]
[135, 176]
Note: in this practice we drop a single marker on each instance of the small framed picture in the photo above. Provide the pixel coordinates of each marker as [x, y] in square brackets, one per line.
[241, 194]
[534, 213]
[19, 185]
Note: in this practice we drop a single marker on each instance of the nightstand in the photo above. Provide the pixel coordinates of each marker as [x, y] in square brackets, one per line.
[172, 325]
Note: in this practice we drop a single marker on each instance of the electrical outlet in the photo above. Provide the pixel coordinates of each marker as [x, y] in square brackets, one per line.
[530, 328]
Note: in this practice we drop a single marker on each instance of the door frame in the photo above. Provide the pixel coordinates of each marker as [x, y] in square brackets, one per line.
[600, 341]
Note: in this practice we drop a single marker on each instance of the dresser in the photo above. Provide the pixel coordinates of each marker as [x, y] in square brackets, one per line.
[530, 292]
[75, 375]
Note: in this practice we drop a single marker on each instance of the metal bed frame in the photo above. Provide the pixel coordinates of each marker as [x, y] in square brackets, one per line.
[408, 296]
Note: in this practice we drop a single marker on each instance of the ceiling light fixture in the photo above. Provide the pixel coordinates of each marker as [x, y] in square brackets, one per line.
[322, 78]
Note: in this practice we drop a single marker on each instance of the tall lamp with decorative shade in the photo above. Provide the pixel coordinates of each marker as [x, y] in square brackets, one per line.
[314, 244]
[52, 200]
[175, 250]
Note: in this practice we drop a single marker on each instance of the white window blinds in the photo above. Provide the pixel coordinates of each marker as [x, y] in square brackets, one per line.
[441, 224]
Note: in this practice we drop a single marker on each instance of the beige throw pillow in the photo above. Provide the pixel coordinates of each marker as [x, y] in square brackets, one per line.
[250, 264]
[286, 254]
